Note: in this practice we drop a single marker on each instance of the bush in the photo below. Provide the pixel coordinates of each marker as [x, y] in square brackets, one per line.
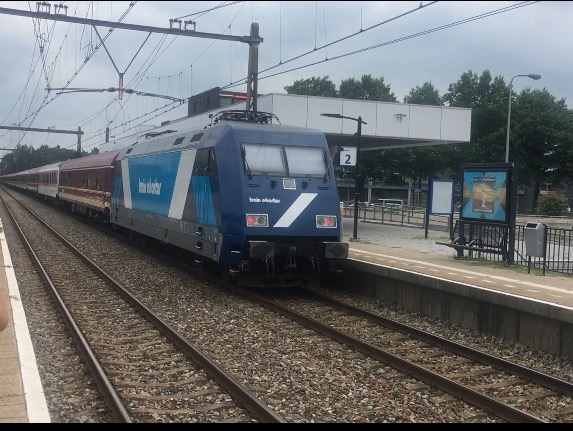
[551, 204]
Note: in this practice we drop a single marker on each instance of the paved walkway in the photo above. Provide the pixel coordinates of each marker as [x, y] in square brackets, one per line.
[407, 248]
[21, 394]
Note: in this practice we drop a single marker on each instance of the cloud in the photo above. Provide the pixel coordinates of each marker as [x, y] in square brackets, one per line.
[409, 51]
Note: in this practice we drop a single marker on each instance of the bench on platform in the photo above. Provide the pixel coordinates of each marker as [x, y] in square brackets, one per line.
[479, 237]
[475, 245]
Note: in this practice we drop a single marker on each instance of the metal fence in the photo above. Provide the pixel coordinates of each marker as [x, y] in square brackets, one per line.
[558, 249]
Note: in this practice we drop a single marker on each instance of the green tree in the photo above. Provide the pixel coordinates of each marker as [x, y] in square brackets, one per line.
[541, 133]
[487, 98]
[427, 94]
[314, 86]
[551, 204]
[541, 139]
[367, 88]
[24, 157]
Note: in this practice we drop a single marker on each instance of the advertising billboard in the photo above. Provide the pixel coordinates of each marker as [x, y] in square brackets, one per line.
[486, 193]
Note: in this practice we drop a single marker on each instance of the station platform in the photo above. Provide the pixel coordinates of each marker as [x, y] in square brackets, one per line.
[407, 248]
[22, 397]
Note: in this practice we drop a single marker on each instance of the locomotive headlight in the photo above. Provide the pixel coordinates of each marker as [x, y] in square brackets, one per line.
[257, 220]
[326, 221]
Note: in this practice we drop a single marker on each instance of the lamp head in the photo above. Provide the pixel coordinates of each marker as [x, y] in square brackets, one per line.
[331, 115]
[534, 76]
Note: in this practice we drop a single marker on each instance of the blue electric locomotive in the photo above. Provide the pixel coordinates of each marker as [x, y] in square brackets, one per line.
[258, 199]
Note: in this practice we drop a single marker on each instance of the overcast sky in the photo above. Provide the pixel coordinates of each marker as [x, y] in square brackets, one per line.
[407, 43]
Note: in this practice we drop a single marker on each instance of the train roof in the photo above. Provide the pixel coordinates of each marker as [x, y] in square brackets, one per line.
[33, 170]
[178, 140]
[292, 135]
[13, 174]
[51, 167]
[257, 121]
[92, 161]
[270, 127]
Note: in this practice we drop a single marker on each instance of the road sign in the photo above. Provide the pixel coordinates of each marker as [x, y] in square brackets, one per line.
[348, 156]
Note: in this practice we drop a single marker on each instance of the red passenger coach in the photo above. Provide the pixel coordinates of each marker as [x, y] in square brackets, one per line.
[85, 184]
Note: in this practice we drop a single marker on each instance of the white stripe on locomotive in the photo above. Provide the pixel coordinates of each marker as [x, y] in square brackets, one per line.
[126, 184]
[295, 209]
[184, 171]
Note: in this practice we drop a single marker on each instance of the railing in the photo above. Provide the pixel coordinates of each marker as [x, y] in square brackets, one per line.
[486, 240]
[558, 252]
[404, 216]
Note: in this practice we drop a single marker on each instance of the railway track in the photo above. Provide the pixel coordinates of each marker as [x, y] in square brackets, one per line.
[509, 390]
[145, 370]
[284, 363]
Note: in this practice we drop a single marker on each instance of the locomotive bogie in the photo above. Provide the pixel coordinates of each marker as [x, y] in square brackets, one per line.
[201, 240]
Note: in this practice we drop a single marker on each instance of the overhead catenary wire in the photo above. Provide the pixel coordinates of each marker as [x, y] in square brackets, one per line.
[459, 22]
[401, 39]
[354, 52]
[45, 103]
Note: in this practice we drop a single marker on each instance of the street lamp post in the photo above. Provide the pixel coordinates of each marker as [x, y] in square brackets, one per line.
[358, 183]
[532, 76]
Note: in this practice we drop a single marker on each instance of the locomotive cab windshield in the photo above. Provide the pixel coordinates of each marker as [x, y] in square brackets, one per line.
[277, 160]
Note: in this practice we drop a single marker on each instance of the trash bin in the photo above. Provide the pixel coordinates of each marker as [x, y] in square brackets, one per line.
[535, 239]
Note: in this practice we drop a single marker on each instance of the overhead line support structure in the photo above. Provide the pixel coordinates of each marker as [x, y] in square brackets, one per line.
[253, 40]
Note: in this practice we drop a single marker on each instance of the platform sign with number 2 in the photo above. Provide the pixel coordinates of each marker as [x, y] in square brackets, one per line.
[348, 156]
